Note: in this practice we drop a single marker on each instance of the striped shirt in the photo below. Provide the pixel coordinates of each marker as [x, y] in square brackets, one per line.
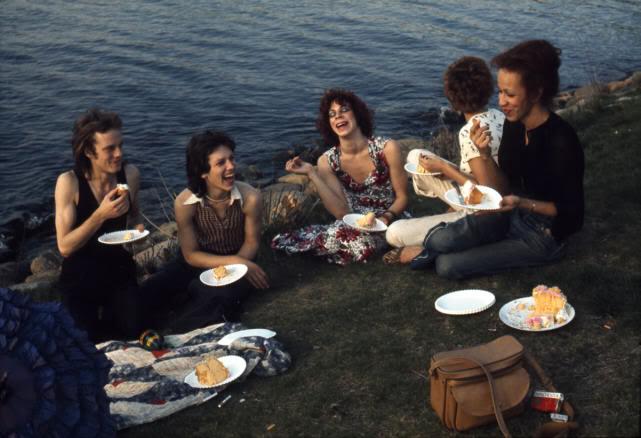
[220, 236]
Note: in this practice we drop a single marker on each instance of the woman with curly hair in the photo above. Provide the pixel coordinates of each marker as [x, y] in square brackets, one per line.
[468, 85]
[359, 174]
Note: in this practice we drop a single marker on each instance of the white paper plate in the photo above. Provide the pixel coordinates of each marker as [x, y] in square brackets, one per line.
[465, 302]
[235, 273]
[413, 169]
[515, 318]
[118, 237]
[235, 365]
[350, 219]
[228, 339]
[491, 199]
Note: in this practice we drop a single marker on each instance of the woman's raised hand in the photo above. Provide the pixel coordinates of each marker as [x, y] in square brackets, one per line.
[296, 165]
[480, 136]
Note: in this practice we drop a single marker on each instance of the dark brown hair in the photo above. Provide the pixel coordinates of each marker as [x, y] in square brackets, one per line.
[364, 116]
[83, 140]
[468, 84]
[538, 62]
[199, 148]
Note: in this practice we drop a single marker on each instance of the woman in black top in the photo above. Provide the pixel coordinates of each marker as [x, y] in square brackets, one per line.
[542, 162]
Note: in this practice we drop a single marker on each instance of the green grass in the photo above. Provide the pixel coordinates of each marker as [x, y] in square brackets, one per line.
[361, 336]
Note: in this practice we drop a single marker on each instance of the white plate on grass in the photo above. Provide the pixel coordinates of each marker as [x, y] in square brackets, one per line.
[514, 317]
[235, 273]
[235, 365]
[122, 237]
[491, 199]
[352, 218]
[413, 169]
[465, 302]
[231, 337]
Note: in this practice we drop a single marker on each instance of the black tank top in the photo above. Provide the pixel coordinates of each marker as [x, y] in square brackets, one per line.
[97, 263]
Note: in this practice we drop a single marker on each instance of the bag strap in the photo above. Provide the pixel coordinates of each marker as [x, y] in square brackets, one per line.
[497, 412]
[551, 429]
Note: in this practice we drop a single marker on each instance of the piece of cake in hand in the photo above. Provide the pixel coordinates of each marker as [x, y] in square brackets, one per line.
[121, 189]
[220, 272]
[471, 194]
[367, 221]
[211, 371]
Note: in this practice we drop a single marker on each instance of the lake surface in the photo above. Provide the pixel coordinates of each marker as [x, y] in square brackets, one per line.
[256, 69]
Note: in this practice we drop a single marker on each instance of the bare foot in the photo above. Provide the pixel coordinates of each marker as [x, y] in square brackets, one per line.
[408, 253]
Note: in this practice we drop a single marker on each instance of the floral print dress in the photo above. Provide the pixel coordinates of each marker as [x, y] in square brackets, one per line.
[339, 242]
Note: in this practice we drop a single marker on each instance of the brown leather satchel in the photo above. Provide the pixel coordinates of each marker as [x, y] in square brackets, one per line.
[479, 385]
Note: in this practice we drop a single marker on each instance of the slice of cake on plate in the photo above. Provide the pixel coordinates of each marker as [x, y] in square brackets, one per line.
[471, 194]
[367, 221]
[549, 308]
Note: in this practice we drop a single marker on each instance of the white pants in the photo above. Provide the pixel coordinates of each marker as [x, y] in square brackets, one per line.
[412, 232]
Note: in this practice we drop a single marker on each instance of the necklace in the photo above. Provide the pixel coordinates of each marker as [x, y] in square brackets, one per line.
[217, 201]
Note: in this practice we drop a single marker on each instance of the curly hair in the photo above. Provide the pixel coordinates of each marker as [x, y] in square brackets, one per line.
[199, 148]
[538, 62]
[468, 84]
[83, 139]
[364, 116]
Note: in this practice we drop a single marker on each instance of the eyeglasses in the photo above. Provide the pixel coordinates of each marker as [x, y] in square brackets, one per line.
[342, 110]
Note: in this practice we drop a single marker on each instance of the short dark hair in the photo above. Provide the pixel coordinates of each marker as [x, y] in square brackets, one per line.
[199, 149]
[364, 116]
[83, 140]
[468, 84]
[538, 62]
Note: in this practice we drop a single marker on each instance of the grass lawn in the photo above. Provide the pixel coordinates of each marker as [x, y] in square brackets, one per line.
[361, 336]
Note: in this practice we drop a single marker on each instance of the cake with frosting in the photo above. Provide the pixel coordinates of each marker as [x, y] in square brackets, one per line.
[211, 371]
[471, 194]
[121, 189]
[549, 307]
[367, 221]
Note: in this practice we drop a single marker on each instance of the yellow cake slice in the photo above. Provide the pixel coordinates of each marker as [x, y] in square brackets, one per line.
[211, 371]
[367, 221]
[549, 307]
[220, 272]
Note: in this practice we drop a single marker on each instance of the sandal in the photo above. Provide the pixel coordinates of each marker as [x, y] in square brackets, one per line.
[392, 257]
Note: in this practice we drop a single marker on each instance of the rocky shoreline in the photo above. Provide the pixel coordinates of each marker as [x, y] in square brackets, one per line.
[286, 201]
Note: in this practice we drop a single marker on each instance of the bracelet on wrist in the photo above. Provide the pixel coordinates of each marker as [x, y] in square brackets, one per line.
[390, 215]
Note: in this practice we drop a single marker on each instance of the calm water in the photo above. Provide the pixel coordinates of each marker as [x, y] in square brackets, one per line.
[256, 69]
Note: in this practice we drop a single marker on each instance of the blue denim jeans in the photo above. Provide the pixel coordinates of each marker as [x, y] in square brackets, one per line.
[487, 244]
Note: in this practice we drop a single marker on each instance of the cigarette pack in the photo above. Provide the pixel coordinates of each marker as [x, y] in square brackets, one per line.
[545, 401]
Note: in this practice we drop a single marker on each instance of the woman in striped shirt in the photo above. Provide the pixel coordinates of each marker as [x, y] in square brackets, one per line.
[219, 222]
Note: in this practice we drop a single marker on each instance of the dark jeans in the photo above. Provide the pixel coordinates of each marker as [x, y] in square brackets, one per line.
[487, 244]
[176, 299]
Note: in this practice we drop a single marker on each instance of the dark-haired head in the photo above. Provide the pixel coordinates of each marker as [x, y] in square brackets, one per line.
[83, 139]
[199, 148]
[468, 84]
[537, 62]
[363, 115]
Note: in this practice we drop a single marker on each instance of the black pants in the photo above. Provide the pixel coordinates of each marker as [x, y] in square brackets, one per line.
[175, 299]
[105, 311]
